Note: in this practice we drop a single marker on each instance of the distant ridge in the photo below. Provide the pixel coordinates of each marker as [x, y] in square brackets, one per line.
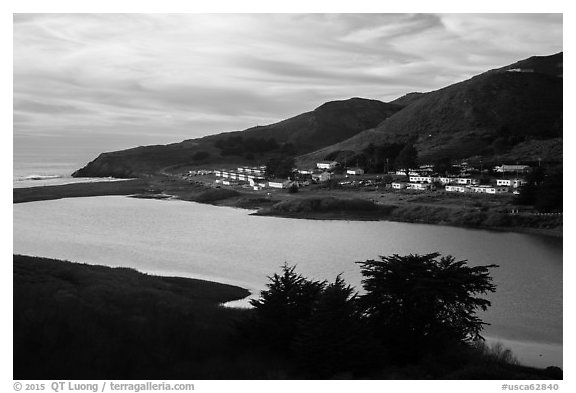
[408, 99]
[507, 114]
[549, 65]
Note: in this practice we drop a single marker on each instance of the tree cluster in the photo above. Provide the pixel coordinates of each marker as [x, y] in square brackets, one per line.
[239, 146]
[543, 190]
[280, 166]
[411, 305]
[380, 158]
[315, 323]
[443, 166]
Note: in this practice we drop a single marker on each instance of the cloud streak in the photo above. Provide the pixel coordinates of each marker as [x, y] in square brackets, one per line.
[187, 75]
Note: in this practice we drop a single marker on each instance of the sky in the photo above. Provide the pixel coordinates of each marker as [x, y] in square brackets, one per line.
[132, 79]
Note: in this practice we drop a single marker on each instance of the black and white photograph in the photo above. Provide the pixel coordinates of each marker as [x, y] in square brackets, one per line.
[287, 196]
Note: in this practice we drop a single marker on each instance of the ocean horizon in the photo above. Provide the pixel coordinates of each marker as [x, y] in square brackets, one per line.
[51, 159]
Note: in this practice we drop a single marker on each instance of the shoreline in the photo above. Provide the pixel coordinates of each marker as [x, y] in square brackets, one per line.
[162, 187]
[232, 292]
[229, 296]
[346, 216]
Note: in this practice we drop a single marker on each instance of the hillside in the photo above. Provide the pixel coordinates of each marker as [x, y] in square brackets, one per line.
[408, 99]
[511, 113]
[77, 321]
[330, 123]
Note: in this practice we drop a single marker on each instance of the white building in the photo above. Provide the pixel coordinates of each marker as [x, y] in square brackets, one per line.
[321, 177]
[260, 182]
[398, 185]
[511, 182]
[420, 179]
[455, 188]
[466, 180]
[428, 168]
[419, 186]
[254, 170]
[483, 189]
[512, 168]
[241, 173]
[329, 165]
[355, 171]
[401, 172]
[278, 183]
[305, 171]
[444, 180]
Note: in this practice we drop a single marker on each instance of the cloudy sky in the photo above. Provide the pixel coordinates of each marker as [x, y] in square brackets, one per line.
[153, 78]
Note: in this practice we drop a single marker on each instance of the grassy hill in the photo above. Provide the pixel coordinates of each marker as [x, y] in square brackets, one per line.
[408, 99]
[330, 123]
[513, 112]
[76, 321]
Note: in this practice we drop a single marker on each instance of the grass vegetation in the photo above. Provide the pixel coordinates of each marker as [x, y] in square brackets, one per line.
[216, 194]
[323, 204]
[76, 321]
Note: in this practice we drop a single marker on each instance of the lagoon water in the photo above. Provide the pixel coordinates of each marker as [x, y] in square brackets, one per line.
[179, 238]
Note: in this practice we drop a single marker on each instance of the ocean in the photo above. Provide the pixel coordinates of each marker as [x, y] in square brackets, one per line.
[42, 160]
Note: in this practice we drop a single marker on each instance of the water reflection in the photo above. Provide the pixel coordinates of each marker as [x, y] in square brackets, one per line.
[230, 246]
